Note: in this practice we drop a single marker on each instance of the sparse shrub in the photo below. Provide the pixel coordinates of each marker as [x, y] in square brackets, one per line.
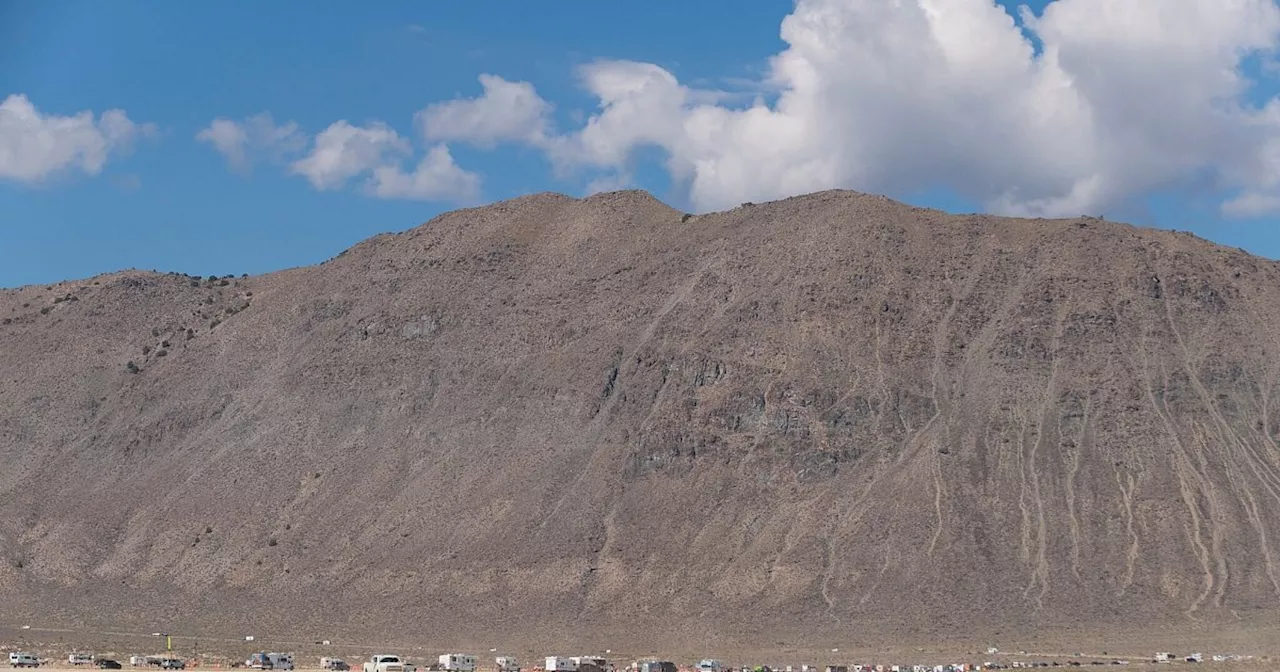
[45, 310]
[194, 283]
[162, 353]
[223, 283]
[213, 278]
[59, 299]
[685, 217]
[272, 542]
[155, 332]
[191, 334]
[248, 293]
[215, 323]
[244, 275]
[131, 367]
[315, 475]
[8, 320]
[228, 276]
[164, 343]
[26, 305]
[19, 563]
[288, 526]
[208, 529]
[146, 350]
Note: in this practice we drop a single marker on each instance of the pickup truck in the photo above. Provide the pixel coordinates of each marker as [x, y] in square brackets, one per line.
[383, 663]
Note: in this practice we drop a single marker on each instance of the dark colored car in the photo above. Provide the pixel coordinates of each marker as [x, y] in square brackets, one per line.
[173, 664]
[106, 664]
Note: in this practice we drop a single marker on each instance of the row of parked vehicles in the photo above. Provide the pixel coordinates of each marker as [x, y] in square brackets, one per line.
[25, 659]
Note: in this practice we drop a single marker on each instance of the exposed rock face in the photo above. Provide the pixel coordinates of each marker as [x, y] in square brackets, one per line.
[553, 417]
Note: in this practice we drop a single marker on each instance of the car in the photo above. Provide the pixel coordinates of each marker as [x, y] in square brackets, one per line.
[173, 664]
[106, 664]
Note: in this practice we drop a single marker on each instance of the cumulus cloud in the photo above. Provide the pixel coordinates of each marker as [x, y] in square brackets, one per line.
[343, 151]
[436, 178]
[505, 112]
[35, 146]
[1084, 107]
[241, 142]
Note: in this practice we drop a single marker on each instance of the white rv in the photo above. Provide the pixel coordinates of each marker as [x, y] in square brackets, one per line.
[80, 659]
[457, 662]
[23, 659]
[281, 661]
[559, 664]
[507, 664]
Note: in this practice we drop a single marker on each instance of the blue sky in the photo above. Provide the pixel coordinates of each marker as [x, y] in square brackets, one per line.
[169, 202]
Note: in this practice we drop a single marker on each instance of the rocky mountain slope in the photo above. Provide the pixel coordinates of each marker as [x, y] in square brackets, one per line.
[596, 420]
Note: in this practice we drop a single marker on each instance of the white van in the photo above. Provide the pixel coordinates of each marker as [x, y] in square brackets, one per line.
[558, 664]
[457, 662]
[22, 659]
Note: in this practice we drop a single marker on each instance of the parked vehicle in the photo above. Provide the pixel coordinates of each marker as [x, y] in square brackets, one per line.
[558, 664]
[106, 664]
[78, 659]
[334, 664]
[173, 664]
[23, 659]
[710, 665]
[457, 662]
[507, 664]
[380, 662]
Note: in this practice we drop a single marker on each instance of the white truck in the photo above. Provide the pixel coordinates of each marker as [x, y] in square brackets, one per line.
[457, 662]
[381, 662]
[23, 659]
[77, 659]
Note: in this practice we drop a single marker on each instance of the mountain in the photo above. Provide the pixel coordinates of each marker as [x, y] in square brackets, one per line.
[832, 418]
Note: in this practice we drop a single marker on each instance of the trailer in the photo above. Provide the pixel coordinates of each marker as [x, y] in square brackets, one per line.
[560, 664]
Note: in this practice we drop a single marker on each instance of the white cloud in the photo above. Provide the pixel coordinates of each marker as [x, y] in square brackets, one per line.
[1252, 204]
[505, 112]
[343, 151]
[436, 178]
[257, 136]
[1112, 101]
[36, 146]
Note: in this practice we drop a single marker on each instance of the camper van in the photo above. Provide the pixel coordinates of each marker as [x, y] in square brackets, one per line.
[559, 664]
[22, 659]
[457, 662]
[507, 664]
[80, 659]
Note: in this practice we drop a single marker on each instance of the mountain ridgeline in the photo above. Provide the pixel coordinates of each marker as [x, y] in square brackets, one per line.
[589, 420]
